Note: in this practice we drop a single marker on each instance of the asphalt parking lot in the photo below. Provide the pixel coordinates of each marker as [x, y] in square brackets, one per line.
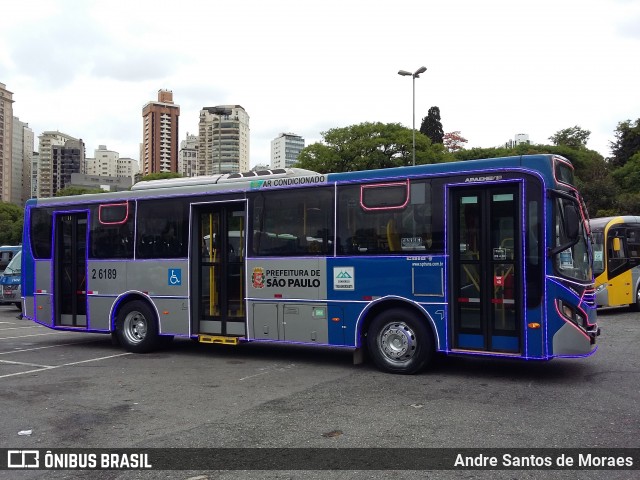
[76, 390]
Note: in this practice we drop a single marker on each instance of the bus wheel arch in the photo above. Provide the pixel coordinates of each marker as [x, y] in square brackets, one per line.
[136, 325]
[635, 306]
[399, 337]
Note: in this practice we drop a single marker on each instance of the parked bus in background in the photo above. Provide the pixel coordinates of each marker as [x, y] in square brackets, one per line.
[10, 281]
[483, 257]
[6, 255]
[616, 260]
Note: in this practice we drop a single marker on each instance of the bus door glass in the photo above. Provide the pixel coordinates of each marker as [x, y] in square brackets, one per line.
[485, 243]
[220, 285]
[70, 270]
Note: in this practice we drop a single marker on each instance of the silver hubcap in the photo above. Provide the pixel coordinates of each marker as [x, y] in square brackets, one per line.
[135, 327]
[397, 342]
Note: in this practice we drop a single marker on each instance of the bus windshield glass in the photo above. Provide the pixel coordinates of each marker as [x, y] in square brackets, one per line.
[573, 261]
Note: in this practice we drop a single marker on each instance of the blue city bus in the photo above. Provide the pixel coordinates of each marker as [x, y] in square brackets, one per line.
[482, 257]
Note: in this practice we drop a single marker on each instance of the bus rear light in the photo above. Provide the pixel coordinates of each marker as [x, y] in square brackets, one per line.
[533, 325]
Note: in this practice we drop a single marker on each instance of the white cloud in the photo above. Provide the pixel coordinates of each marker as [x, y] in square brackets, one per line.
[495, 68]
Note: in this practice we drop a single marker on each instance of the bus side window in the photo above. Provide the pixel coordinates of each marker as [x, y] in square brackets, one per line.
[617, 254]
[633, 243]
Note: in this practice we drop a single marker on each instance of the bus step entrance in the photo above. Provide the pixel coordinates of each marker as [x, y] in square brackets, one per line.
[218, 339]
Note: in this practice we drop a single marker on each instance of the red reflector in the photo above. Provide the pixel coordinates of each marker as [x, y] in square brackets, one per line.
[368, 298]
[463, 300]
[277, 295]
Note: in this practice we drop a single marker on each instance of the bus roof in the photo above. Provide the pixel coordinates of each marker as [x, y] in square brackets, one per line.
[600, 223]
[242, 182]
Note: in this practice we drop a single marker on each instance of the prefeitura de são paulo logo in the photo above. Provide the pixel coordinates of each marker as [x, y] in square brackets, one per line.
[257, 277]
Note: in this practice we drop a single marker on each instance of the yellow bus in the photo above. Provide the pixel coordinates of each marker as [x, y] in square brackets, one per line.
[616, 260]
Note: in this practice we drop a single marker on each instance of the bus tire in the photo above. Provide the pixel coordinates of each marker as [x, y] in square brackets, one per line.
[137, 327]
[399, 341]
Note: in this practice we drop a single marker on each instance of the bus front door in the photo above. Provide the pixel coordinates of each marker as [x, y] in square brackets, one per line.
[486, 244]
[70, 270]
[219, 285]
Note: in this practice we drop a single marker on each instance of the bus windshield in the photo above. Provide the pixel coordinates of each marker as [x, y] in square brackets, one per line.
[14, 265]
[571, 242]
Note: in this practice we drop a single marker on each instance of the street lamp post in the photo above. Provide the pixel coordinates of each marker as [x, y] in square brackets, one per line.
[414, 75]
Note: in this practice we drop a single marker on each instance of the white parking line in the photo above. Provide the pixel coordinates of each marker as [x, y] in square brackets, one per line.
[65, 365]
[34, 335]
[25, 363]
[18, 328]
[48, 346]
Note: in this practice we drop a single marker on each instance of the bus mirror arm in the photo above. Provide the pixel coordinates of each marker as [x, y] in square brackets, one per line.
[561, 248]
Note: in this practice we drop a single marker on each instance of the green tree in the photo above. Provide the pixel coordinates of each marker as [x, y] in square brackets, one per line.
[574, 137]
[77, 191]
[368, 146]
[432, 126]
[626, 144]
[159, 176]
[11, 221]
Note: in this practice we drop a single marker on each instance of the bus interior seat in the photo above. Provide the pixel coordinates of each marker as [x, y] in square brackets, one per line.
[393, 239]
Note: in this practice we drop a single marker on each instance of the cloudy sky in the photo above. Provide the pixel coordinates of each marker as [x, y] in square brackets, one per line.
[495, 68]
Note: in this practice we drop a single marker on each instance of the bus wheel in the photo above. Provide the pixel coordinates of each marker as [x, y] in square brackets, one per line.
[399, 341]
[137, 328]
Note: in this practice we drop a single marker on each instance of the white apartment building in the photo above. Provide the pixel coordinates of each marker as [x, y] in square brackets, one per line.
[107, 163]
[188, 156]
[223, 140]
[285, 150]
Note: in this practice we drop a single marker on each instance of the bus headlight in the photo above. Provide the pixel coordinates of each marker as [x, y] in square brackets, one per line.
[572, 314]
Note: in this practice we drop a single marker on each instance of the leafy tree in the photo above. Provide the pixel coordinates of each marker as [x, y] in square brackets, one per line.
[432, 126]
[11, 221]
[574, 137]
[77, 191]
[628, 175]
[368, 146]
[159, 176]
[627, 142]
[453, 141]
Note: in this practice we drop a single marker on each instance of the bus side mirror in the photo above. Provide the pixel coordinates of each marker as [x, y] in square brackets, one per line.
[616, 244]
[572, 223]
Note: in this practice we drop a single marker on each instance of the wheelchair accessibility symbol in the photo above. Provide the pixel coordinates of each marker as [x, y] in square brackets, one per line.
[175, 276]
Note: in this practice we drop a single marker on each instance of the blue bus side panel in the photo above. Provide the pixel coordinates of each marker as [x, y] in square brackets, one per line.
[357, 282]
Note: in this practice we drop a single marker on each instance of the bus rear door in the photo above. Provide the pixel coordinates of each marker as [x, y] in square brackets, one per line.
[70, 270]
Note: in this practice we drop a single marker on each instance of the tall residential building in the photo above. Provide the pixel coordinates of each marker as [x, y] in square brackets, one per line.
[6, 140]
[223, 140]
[285, 150]
[188, 156]
[59, 155]
[22, 156]
[67, 159]
[159, 151]
[107, 163]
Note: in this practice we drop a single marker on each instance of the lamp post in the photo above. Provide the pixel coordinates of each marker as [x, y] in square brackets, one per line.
[414, 75]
